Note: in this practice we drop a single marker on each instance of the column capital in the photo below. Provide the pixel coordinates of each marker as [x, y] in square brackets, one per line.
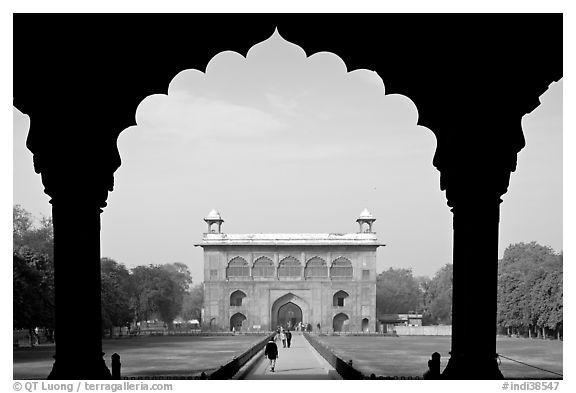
[475, 163]
[76, 162]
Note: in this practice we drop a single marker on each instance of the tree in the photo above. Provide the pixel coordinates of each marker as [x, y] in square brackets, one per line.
[524, 258]
[159, 289]
[115, 279]
[438, 297]
[397, 291]
[530, 291]
[511, 302]
[22, 223]
[193, 303]
[33, 271]
[180, 274]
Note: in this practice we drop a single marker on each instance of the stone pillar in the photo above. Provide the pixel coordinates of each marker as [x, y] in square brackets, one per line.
[78, 325]
[474, 297]
[276, 263]
[475, 167]
[77, 161]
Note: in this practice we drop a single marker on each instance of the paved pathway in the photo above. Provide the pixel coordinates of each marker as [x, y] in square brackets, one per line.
[300, 361]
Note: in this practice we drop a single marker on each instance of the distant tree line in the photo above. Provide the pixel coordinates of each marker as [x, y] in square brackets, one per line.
[148, 292]
[399, 292]
[163, 292]
[529, 292]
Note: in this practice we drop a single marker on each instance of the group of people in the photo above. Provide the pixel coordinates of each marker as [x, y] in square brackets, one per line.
[271, 350]
[303, 327]
[285, 336]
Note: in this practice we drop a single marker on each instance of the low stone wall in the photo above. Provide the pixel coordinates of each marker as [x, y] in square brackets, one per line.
[440, 330]
[230, 369]
[345, 370]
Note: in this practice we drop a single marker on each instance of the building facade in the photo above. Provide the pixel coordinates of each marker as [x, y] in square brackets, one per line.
[262, 281]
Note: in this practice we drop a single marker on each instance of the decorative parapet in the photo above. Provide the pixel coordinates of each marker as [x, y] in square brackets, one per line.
[289, 239]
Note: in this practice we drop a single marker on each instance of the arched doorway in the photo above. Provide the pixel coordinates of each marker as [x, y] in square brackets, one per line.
[289, 307]
[340, 322]
[365, 323]
[236, 321]
[289, 315]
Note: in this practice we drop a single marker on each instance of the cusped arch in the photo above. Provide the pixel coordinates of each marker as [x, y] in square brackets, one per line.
[289, 268]
[341, 269]
[263, 267]
[237, 267]
[316, 267]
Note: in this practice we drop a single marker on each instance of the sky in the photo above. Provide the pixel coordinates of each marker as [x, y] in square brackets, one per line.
[282, 142]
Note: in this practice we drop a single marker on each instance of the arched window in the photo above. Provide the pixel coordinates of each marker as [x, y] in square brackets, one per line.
[341, 269]
[316, 267]
[290, 268]
[338, 299]
[238, 267]
[263, 267]
[236, 298]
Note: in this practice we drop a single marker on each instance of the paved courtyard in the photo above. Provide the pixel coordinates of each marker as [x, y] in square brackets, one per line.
[299, 362]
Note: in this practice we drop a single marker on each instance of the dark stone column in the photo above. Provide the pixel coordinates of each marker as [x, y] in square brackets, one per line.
[77, 162]
[475, 167]
[77, 291]
[475, 286]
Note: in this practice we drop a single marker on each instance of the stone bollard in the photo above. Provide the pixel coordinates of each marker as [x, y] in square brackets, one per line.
[116, 366]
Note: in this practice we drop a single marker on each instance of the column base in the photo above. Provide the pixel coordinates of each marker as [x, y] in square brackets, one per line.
[80, 367]
[472, 367]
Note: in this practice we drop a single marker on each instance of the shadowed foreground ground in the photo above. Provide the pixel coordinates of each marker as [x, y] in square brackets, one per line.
[146, 356]
[387, 356]
[408, 356]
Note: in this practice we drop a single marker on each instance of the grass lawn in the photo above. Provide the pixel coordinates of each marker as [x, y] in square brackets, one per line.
[146, 355]
[409, 355]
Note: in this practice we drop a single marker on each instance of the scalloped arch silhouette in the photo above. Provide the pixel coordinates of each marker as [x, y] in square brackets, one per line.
[213, 67]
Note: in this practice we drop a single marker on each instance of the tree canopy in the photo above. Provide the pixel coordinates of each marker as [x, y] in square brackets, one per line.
[128, 295]
[530, 289]
[397, 291]
[33, 271]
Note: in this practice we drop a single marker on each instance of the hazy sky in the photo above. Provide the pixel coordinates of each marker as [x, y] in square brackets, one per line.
[279, 142]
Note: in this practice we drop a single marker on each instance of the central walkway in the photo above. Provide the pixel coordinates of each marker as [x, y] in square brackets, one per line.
[300, 361]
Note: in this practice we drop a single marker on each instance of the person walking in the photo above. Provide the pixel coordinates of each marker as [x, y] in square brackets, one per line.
[283, 338]
[288, 337]
[271, 352]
